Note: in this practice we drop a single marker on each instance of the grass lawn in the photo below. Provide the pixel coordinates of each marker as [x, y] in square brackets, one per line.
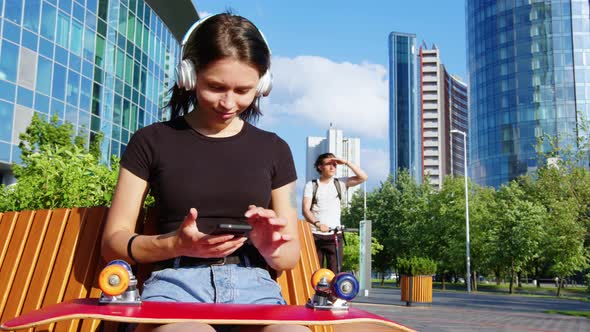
[570, 313]
[578, 293]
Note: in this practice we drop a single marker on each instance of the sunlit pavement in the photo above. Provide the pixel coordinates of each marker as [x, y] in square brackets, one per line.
[459, 311]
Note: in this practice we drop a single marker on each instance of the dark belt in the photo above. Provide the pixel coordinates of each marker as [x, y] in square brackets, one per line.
[184, 261]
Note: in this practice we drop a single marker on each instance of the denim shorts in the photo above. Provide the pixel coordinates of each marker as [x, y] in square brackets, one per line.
[229, 283]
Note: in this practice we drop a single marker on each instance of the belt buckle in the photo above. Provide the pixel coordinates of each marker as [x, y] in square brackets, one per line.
[220, 262]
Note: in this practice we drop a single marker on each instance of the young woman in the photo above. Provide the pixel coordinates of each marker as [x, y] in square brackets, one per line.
[207, 165]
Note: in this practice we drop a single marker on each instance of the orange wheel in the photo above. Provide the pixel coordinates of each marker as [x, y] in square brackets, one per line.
[319, 274]
[113, 280]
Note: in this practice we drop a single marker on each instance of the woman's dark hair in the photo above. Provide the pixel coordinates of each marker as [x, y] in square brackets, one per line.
[320, 160]
[222, 36]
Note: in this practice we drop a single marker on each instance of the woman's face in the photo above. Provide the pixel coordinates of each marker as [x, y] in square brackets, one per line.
[225, 88]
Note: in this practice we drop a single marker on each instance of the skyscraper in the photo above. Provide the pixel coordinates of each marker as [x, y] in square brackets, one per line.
[443, 104]
[456, 103]
[101, 65]
[529, 75]
[342, 147]
[404, 113]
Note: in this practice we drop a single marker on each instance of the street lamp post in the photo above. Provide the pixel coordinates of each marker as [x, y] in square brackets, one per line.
[468, 280]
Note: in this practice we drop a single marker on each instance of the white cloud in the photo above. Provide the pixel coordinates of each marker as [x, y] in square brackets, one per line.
[353, 97]
[375, 163]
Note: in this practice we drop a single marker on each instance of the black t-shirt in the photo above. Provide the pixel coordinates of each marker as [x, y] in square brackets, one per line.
[219, 177]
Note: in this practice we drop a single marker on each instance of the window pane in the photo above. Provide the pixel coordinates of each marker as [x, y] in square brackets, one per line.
[88, 44]
[42, 103]
[73, 88]
[5, 152]
[85, 94]
[100, 46]
[48, 21]
[8, 61]
[6, 115]
[43, 75]
[11, 32]
[59, 82]
[7, 91]
[30, 40]
[31, 17]
[63, 30]
[76, 38]
[13, 10]
[65, 5]
[25, 97]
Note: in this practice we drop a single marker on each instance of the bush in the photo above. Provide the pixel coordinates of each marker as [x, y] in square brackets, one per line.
[415, 266]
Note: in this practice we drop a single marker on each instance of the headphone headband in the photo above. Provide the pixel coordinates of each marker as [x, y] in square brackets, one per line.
[186, 76]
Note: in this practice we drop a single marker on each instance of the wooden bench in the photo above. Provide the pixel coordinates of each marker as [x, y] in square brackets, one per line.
[49, 256]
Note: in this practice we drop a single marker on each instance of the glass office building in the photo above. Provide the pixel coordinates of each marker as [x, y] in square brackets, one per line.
[405, 151]
[102, 65]
[529, 75]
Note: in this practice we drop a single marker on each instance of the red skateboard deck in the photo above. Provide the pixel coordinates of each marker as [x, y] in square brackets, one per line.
[174, 312]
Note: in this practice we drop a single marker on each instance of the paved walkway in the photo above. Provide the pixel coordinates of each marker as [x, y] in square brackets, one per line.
[458, 311]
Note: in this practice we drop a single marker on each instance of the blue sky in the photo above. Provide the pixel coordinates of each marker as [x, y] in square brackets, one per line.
[330, 65]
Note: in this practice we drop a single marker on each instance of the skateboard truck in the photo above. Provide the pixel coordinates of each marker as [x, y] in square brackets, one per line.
[118, 284]
[332, 292]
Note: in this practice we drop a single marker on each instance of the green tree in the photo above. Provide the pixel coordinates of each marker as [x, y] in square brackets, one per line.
[58, 171]
[518, 229]
[351, 257]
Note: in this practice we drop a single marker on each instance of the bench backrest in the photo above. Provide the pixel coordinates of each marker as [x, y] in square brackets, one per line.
[49, 256]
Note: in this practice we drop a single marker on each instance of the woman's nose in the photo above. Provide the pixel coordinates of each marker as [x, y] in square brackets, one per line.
[228, 100]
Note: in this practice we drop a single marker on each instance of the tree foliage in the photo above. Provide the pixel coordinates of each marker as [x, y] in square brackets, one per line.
[58, 171]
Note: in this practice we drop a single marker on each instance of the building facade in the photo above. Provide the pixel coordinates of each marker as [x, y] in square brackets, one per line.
[102, 65]
[405, 150]
[347, 148]
[529, 76]
[456, 103]
[433, 115]
[443, 104]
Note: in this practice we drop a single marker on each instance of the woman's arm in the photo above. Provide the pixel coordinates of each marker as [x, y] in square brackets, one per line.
[275, 233]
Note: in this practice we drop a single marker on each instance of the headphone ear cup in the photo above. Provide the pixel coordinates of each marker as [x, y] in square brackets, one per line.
[264, 85]
[185, 75]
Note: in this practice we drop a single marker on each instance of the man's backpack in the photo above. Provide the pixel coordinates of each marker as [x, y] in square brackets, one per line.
[315, 191]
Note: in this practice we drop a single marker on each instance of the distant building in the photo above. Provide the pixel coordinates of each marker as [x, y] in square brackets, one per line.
[405, 147]
[104, 66]
[529, 76]
[342, 147]
[443, 104]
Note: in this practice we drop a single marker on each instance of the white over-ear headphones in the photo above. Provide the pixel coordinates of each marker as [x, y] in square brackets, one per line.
[186, 76]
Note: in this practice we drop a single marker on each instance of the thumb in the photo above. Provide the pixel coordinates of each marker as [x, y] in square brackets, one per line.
[190, 220]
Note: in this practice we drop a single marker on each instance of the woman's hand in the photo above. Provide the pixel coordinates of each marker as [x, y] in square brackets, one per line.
[191, 242]
[267, 230]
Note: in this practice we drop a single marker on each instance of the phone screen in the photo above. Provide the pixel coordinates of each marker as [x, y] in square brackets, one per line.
[223, 225]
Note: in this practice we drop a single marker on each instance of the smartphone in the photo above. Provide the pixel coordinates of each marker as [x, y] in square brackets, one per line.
[235, 229]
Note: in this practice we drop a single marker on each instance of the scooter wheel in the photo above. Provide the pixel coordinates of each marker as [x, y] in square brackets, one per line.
[319, 274]
[114, 279]
[345, 286]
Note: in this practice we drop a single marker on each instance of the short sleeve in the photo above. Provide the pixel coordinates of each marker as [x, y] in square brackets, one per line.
[139, 154]
[284, 168]
[308, 190]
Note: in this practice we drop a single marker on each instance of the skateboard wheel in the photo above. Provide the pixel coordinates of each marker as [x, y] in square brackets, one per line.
[121, 262]
[114, 279]
[319, 274]
[345, 286]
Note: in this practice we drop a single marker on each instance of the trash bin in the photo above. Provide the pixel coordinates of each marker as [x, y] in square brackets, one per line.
[416, 289]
